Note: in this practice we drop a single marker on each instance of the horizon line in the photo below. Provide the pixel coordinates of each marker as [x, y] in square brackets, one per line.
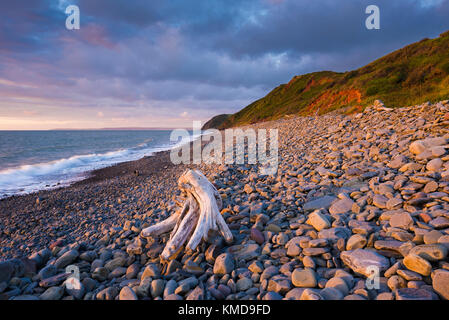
[106, 128]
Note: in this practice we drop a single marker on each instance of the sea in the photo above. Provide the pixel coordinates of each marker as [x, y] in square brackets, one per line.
[37, 160]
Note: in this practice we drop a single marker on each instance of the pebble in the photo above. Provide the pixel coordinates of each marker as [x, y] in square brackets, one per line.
[440, 283]
[331, 294]
[245, 252]
[401, 220]
[432, 237]
[385, 296]
[311, 294]
[319, 203]
[256, 267]
[173, 297]
[318, 221]
[53, 293]
[356, 241]
[415, 263]
[151, 271]
[157, 288]
[304, 278]
[439, 223]
[354, 191]
[269, 272]
[127, 294]
[430, 252]
[272, 296]
[244, 284]
[108, 293]
[66, 259]
[100, 274]
[294, 294]
[339, 284]
[224, 264]
[434, 165]
[341, 206]
[413, 294]
[257, 236]
[360, 260]
[47, 272]
[196, 294]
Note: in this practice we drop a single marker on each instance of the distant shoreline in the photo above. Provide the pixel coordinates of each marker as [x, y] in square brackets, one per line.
[117, 129]
[100, 129]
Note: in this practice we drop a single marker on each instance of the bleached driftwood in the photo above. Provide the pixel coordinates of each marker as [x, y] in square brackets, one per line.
[199, 215]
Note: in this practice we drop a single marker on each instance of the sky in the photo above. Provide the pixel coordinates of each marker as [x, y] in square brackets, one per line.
[166, 63]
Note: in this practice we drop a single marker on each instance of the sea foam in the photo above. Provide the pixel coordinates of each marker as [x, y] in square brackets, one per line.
[63, 172]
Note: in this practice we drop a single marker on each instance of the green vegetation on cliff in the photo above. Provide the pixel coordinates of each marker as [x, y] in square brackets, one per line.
[412, 75]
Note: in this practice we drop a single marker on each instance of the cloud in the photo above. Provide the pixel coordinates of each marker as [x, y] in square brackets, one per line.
[134, 59]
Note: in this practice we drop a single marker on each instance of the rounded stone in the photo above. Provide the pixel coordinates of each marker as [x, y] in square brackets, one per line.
[401, 220]
[430, 252]
[341, 206]
[413, 294]
[53, 293]
[434, 165]
[417, 147]
[127, 294]
[356, 241]
[244, 284]
[318, 220]
[362, 260]
[339, 284]
[304, 278]
[272, 296]
[257, 236]
[311, 294]
[157, 287]
[396, 282]
[331, 294]
[224, 264]
[385, 296]
[416, 263]
[66, 259]
[432, 237]
[440, 283]
[354, 297]
[294, 294]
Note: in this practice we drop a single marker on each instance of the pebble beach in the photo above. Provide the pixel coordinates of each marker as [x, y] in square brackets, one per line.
[351, 191]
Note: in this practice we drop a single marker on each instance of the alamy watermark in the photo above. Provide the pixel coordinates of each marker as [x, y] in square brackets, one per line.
[373, 280]
[373, 20]
[73, 281]
[73, 20]
[236, 141]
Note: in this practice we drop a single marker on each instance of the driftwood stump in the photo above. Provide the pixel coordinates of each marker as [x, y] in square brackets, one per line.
[199, 215]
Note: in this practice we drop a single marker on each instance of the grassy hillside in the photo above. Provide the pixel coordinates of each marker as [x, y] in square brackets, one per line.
[412, 75]
[216, 121]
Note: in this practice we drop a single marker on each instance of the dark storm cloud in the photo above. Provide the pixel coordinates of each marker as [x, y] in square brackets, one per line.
[305, 27]
[194, 54]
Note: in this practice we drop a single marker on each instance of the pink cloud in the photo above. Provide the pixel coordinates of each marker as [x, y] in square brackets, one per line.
[96, 35]
[30, 112]
[92, 34]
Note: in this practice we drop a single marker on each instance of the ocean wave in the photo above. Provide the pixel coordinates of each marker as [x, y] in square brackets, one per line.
[33, 177]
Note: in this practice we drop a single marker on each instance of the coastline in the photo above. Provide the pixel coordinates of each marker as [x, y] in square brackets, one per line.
[65, 208]
[350, 190]
[106, 184]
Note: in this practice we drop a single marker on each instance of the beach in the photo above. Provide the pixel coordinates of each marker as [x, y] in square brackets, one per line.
[89, 206]
[370, 186]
